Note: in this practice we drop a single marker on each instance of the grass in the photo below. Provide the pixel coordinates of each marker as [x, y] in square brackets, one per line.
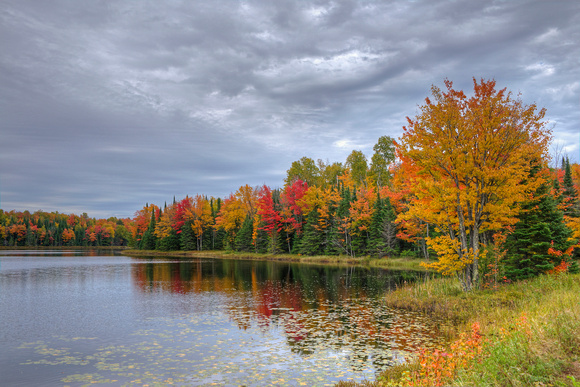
[395, 263]
[530, 334]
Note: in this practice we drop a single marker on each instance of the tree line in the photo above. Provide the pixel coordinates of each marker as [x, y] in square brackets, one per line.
[46, 229]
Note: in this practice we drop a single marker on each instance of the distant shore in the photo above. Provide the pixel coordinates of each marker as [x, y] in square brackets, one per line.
[63, 247]
[396, 263]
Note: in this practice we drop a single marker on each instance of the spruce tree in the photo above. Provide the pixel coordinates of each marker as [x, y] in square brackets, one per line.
[149, 240]
[188, 240]
[339, 242]
[570, 195]
[312, 242]
[540, 224]
[382, 229]
[243, 240]
[170, 242]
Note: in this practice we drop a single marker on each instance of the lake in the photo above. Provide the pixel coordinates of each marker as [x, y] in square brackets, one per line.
[96, 317]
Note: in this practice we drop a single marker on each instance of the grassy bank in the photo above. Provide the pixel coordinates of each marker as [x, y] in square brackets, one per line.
[522, 334]
[397, 263]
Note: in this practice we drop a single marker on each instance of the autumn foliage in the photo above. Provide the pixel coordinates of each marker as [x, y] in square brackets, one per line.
[467, 163]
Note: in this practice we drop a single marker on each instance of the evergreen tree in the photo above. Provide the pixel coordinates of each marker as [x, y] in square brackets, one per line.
[243, 240]
[383, 230]
[188, 240]
[570, 195]
[312, 242]
[339, 242]
[207, 239]
[220, 237]
[149, 240]
[540, 224]
[262, 244]
[169, 243]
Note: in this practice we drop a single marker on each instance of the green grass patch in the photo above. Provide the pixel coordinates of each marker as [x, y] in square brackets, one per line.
[530, 333]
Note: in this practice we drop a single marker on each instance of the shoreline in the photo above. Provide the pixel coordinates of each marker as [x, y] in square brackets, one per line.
[397, 263]
[40, 248]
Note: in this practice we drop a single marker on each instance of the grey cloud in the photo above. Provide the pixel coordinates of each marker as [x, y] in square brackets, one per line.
[108, 105]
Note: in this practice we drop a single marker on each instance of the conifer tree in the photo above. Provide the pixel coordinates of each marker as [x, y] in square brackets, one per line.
[312, 242]
[570, 196]
[243, 240]
[383, 230]
[188, 240]
[170, 242]
[149, 239]
[540, 224]
[339, 238]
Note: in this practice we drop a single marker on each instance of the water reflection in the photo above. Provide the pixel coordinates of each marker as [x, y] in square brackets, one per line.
[130, 321]
[316, 307]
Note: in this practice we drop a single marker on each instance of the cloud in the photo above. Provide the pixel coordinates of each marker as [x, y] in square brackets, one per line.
[107, 106]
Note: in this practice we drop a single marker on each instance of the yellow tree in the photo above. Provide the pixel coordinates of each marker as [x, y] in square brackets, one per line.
[468, 162]
[324, 201]
[165, 222]
[231, 216]
[361, 212]
[200, 216]
[249, 198]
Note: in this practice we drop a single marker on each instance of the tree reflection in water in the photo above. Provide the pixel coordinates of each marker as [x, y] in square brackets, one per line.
[318, 308]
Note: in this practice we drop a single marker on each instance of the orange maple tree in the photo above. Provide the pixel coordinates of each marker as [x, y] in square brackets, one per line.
[468, 162]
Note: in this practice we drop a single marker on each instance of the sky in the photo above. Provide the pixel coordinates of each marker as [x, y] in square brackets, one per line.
[108, 105]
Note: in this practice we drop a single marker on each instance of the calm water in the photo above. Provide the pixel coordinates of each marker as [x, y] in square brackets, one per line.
[76, 318]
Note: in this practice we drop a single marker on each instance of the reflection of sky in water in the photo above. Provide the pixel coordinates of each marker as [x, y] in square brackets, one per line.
[117, 320]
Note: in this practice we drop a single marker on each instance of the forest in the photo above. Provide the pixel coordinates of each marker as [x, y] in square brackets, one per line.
[468, 188]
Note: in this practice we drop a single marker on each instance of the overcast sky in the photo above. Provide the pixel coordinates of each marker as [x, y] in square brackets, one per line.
[108, 105]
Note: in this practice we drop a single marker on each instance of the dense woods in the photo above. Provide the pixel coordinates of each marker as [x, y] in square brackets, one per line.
[467, 188]
[54, 229]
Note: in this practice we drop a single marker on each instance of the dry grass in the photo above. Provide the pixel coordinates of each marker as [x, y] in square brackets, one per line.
[531, 329]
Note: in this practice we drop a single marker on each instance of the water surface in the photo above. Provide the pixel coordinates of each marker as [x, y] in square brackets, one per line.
[79, 318]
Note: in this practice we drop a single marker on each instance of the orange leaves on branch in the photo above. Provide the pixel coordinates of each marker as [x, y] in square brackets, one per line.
[439, 368]
[231, 215]
[181, 212]
[564, 264]
[72, 220]
[68, 235]
[361, 210]
[467, 162]
[200, 215]
[142, 218]
[249, 198]
[451, 258]
[18, 231]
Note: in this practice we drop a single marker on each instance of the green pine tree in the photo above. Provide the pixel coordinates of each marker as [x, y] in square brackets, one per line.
[570, 196]
[243, 239]
[149, 240]
[312, 241]
[337, 241]
[540, 224]
[169, 243]
[188, 240]
[383, 231]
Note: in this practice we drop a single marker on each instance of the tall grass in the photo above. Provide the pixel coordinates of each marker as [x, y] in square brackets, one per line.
[530, 334]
